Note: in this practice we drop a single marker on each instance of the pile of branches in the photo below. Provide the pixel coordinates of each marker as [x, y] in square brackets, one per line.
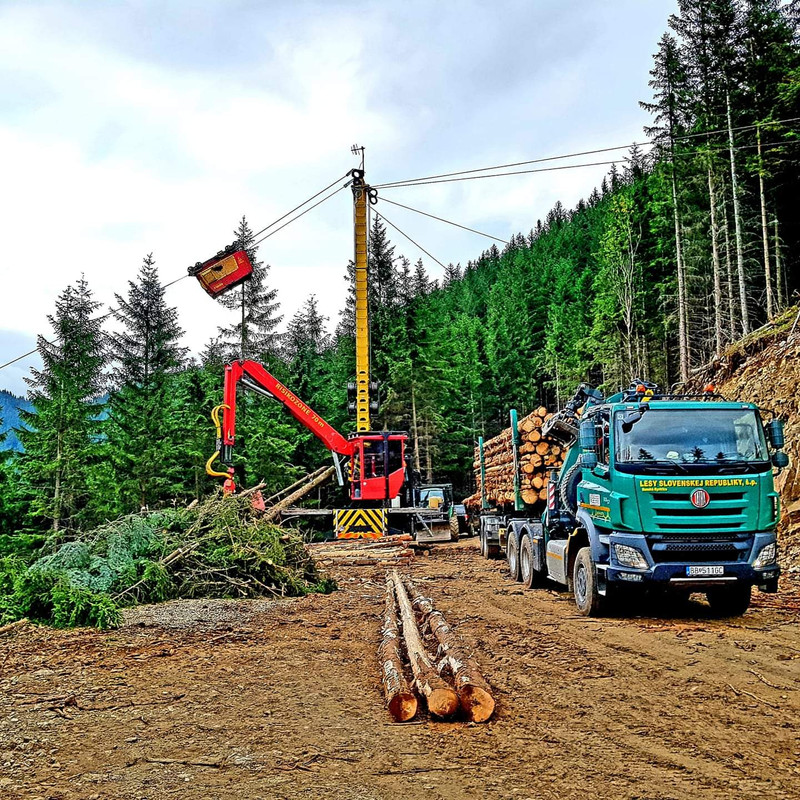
[220, 548]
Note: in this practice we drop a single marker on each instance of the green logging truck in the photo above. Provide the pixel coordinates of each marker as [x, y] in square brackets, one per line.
[657, 491]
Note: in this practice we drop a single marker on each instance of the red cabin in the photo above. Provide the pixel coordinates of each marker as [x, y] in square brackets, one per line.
[377, 465]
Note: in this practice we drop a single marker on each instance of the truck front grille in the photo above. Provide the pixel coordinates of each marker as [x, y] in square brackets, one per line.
[673, 511]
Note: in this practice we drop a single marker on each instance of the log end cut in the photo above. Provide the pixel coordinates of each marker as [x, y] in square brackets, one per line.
[442, 702]
[403, 706]
[476, 702]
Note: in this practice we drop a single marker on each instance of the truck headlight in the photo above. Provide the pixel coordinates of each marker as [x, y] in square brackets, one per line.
[766, 556]
[630, 556]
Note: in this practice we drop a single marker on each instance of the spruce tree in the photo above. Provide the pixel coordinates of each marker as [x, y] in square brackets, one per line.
[143, 434]
[253, 334]
[61, 437]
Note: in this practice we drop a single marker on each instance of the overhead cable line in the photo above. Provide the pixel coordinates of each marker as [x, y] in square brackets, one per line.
[302, 213]
[649, 143]
[441, 219]
[416, 244]
[305, 202]
[501, 174]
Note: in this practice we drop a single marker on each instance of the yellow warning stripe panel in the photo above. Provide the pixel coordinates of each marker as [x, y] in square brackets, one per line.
[359, 523]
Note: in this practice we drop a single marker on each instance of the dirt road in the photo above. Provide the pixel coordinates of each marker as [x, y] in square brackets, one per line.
[281, 700]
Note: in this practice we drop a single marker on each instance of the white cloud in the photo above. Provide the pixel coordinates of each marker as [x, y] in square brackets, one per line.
[129, 129]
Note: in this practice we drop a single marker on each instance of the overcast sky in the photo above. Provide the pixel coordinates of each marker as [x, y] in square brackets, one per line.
[139, 127]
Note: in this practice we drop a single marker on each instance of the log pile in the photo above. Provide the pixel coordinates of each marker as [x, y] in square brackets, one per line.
[537, 456]
[444, 675]
[391, 551]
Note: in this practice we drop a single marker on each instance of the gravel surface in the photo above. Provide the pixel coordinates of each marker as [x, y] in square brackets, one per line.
[200, 615]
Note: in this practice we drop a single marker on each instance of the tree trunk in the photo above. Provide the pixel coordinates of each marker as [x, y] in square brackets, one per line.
[414, 428]
[764, 231]
[473, 691]
[712, 196]
[400, 700]
[780, 284]
[428, 456]
[737, 222]
[683, 332]
[729, 272]
[442, 700]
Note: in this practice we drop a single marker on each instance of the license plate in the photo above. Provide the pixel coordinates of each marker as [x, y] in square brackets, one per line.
[701, 572]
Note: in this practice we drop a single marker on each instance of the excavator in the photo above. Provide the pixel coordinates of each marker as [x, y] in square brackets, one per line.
[373, 464]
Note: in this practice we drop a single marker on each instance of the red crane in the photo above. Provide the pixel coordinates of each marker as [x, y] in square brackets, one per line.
[376, 459]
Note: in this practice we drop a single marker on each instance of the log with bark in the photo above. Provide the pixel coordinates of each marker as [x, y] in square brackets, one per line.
[473, 691]
[442, 700]
[537, 457]
[400, 699]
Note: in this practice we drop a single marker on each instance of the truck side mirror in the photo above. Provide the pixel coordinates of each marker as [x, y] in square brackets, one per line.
[588, 436]
[775, 433]
[780, 460]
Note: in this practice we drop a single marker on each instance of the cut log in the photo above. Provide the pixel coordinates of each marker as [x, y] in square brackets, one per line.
[400, 700]
[473, 691]
[442, 700]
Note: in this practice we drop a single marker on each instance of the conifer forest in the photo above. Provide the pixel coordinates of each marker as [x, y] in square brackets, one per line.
[691, 242]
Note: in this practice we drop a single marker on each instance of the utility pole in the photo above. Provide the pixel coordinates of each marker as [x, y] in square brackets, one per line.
[362, 194]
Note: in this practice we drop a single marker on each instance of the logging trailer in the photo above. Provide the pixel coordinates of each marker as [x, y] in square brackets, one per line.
[661, 492]
[382, 489]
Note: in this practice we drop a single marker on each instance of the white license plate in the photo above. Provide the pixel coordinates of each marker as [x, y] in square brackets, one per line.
[701, 572]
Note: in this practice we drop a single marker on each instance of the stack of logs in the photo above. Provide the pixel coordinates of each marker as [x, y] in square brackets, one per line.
[447, 681]
[389, 551]
[537, 457]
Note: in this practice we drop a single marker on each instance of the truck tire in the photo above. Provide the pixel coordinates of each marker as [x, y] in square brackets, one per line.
[729, 601]
[531, 579]
[584, 581]
[512, 555]
[454, 528]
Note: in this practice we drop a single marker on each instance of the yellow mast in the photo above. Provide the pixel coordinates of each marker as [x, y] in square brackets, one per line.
[361, 195]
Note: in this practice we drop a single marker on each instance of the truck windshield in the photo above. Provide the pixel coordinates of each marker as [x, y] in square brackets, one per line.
[683, 437]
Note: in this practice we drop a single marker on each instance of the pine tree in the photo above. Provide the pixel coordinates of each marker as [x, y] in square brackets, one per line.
[144, 437]
[254, 334]
[61, 442]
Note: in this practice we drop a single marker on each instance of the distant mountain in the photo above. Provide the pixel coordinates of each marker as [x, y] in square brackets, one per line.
[10, 406]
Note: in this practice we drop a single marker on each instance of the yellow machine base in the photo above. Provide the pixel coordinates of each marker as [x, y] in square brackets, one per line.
[359, 523]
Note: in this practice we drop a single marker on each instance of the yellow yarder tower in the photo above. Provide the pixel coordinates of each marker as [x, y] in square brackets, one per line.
[362, 194]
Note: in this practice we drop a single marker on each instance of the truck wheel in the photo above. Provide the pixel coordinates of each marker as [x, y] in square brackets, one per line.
[584, 582]
[512, 555]
[729, 601]
[454, 528]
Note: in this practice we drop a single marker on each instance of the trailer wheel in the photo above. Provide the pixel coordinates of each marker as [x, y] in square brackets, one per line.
[729, 601]
[584, 582]
[512, 555]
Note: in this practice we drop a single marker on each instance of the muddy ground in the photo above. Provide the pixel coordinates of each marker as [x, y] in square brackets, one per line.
[224, 699]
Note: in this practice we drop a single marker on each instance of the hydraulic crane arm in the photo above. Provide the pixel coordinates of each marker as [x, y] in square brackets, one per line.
[253, 376]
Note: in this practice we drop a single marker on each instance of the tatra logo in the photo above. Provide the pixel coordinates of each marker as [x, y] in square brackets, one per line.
[700, 498]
